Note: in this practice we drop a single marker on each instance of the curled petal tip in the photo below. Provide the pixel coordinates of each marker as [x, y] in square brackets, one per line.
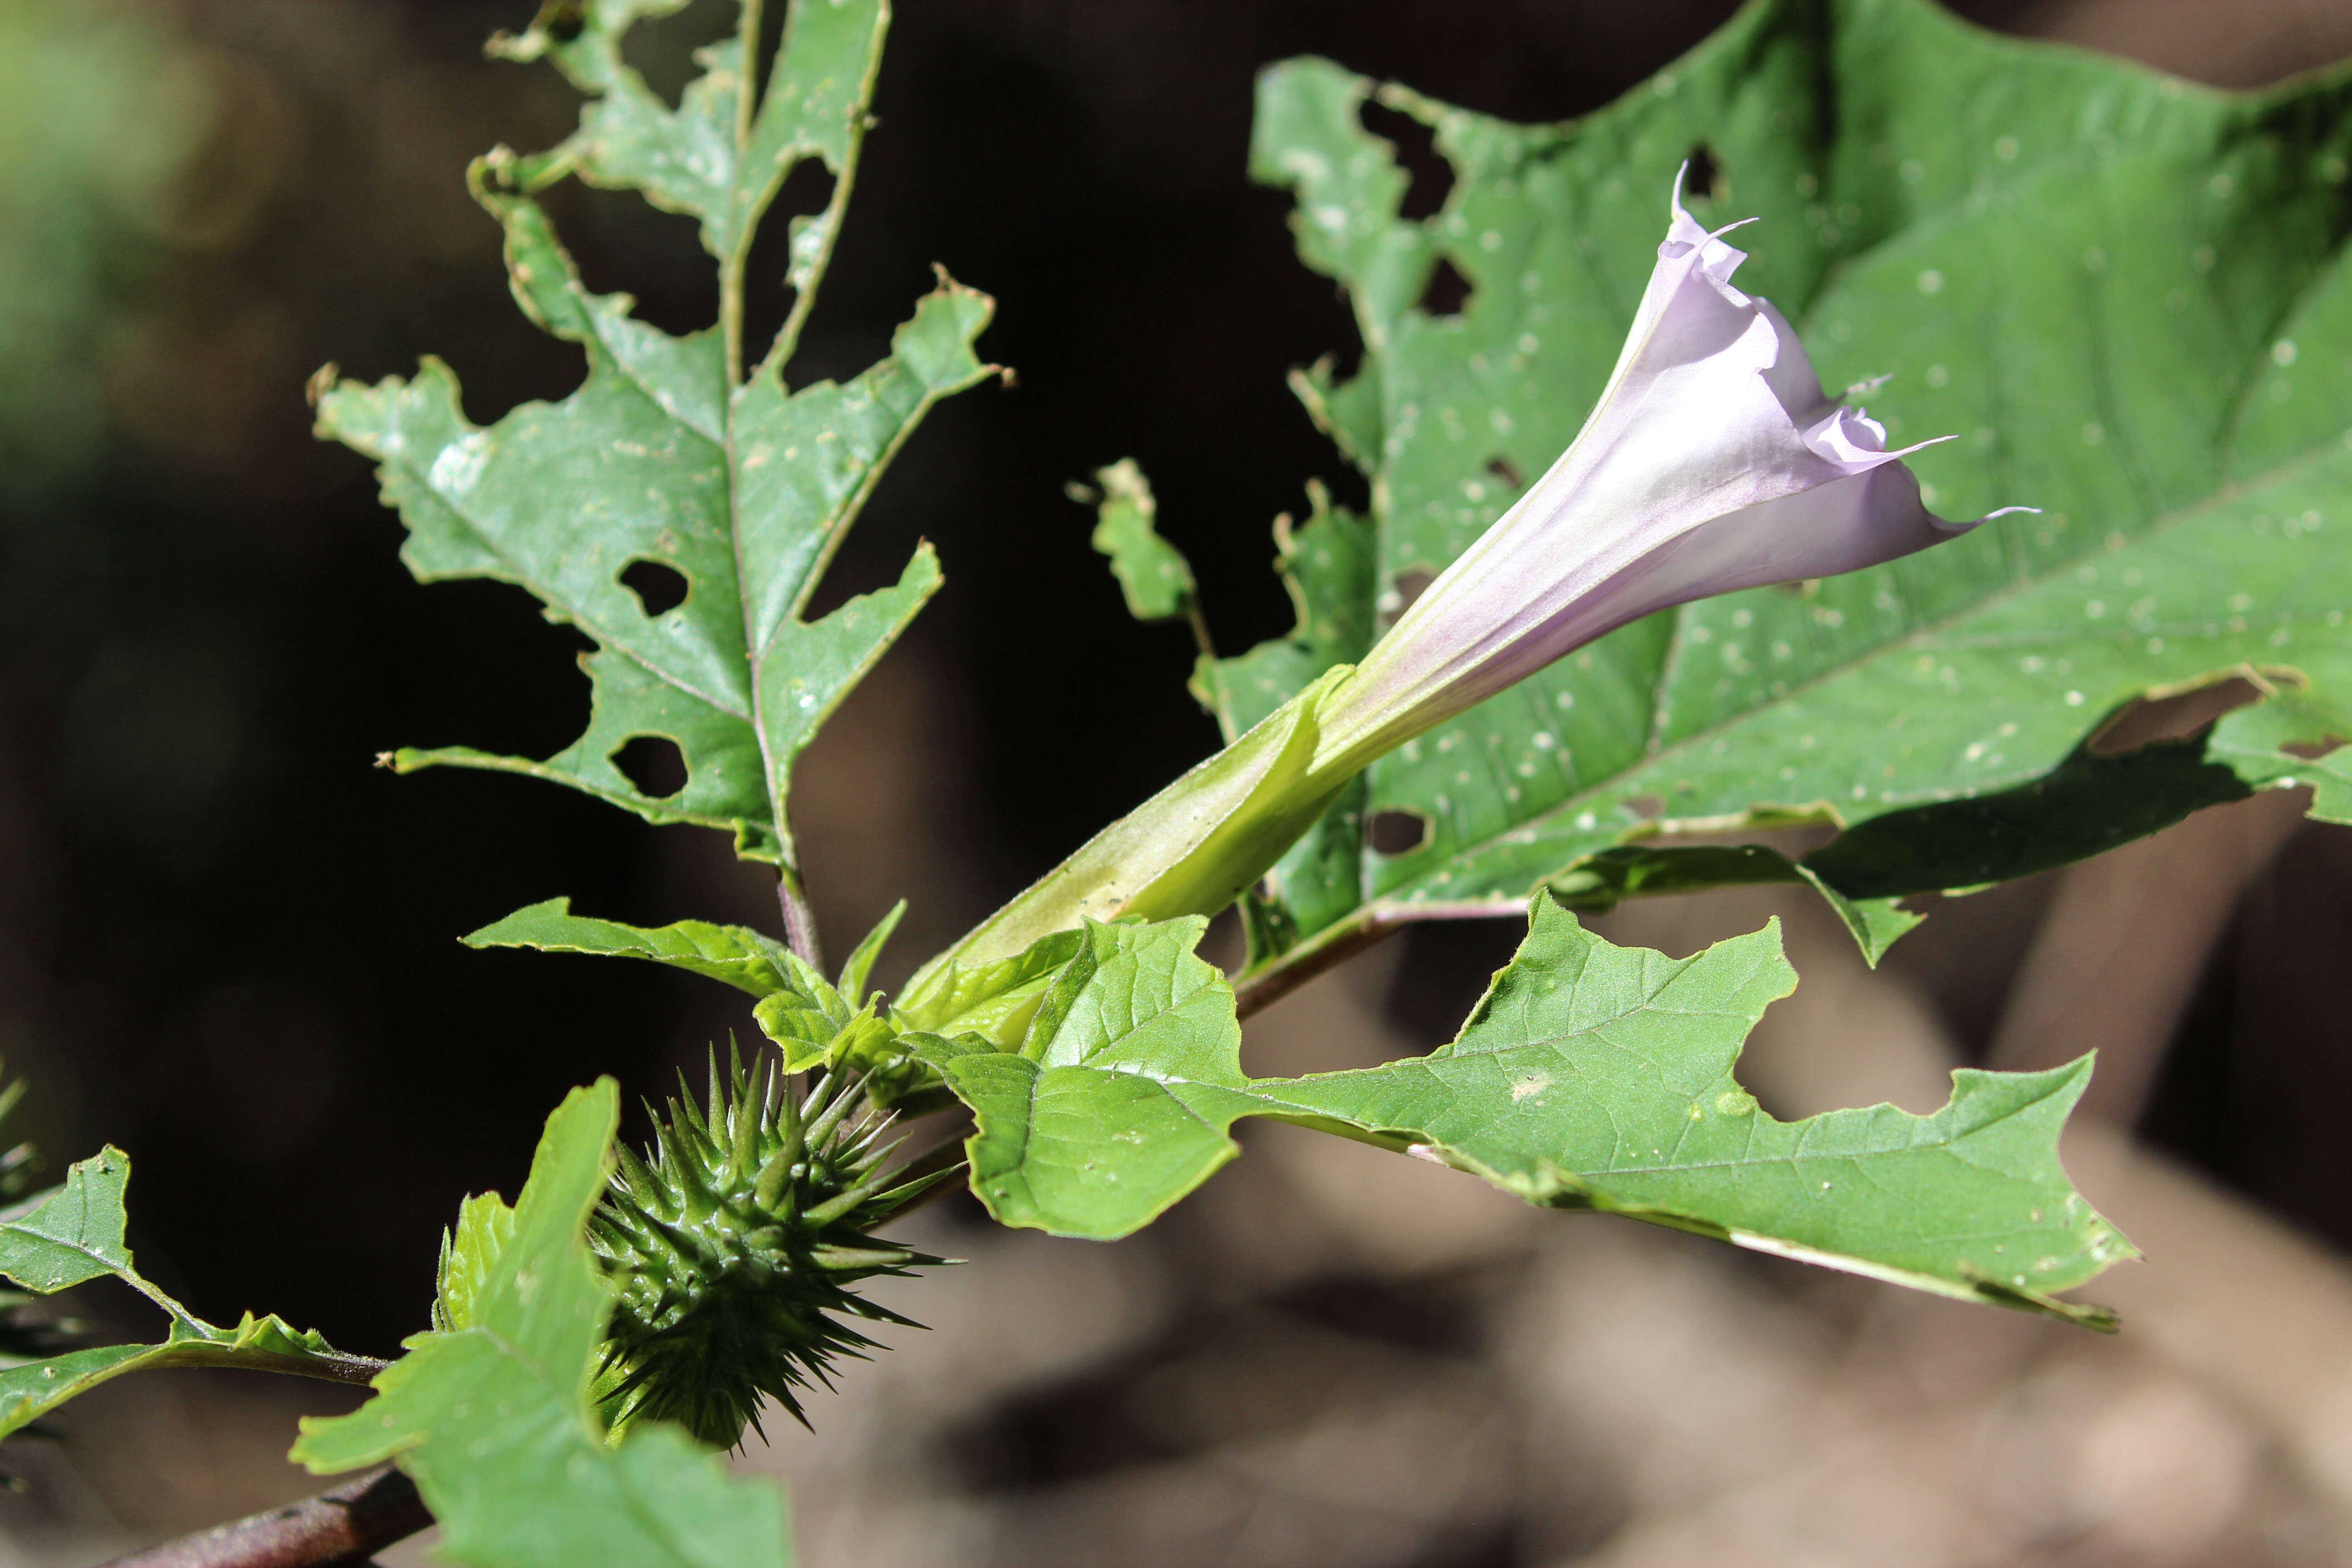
[1963, 525]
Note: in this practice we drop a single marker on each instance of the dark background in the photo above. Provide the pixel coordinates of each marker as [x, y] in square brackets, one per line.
[228, 942]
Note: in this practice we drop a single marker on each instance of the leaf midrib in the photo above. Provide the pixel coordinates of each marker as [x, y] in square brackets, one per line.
[77, 1248]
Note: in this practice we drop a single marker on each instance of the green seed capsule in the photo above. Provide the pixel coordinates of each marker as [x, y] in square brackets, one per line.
[734, 1246]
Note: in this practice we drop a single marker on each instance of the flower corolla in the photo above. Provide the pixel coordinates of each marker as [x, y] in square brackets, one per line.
[1712, 462]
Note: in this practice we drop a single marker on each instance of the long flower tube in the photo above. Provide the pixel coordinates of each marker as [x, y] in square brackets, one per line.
[1712, 462]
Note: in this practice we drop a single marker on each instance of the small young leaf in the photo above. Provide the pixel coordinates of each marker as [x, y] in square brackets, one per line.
[1152, 573]
[737, 955]
[997, 999]
[492, 1415]
[1875, 923]
[860, 967]
[468, 1255]
[811, 1035]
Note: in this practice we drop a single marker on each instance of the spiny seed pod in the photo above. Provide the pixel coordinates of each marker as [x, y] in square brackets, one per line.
[735, 1244]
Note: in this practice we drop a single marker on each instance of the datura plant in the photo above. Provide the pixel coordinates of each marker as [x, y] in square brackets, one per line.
[2107, 320]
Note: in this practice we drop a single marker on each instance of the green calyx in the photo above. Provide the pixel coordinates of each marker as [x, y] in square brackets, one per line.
[735, 1244]
[1191, 849]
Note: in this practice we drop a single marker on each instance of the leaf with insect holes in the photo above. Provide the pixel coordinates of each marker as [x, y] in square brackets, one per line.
[1591, 1076]
[2128, 298]
[490, 1412]
[733, 495]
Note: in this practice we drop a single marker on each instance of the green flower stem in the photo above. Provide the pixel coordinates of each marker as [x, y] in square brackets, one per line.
[1189, 850]
[1192, 849]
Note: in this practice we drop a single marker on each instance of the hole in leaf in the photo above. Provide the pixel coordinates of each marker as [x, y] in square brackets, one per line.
[654, 764]
[664, 55]
[1408, 585]
[660, 588]
[1414, 146]
[1224, 944]
[2173, 718]
[768, 297]
[1448, 291]
[1646, 806]
[568, 20]
[763, 62]
[622, 245]
[1396, 832]
[1705, 176]
[2311, 751]
[1498, 467]
[1444, 972]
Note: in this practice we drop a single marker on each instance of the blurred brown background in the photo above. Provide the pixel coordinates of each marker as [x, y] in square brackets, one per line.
[227, 942]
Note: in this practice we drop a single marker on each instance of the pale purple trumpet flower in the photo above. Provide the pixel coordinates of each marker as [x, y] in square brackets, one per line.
[1711, 463]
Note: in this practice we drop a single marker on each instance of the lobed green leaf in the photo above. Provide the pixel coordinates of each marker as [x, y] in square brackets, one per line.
[1589, 1076]
[671, 457]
